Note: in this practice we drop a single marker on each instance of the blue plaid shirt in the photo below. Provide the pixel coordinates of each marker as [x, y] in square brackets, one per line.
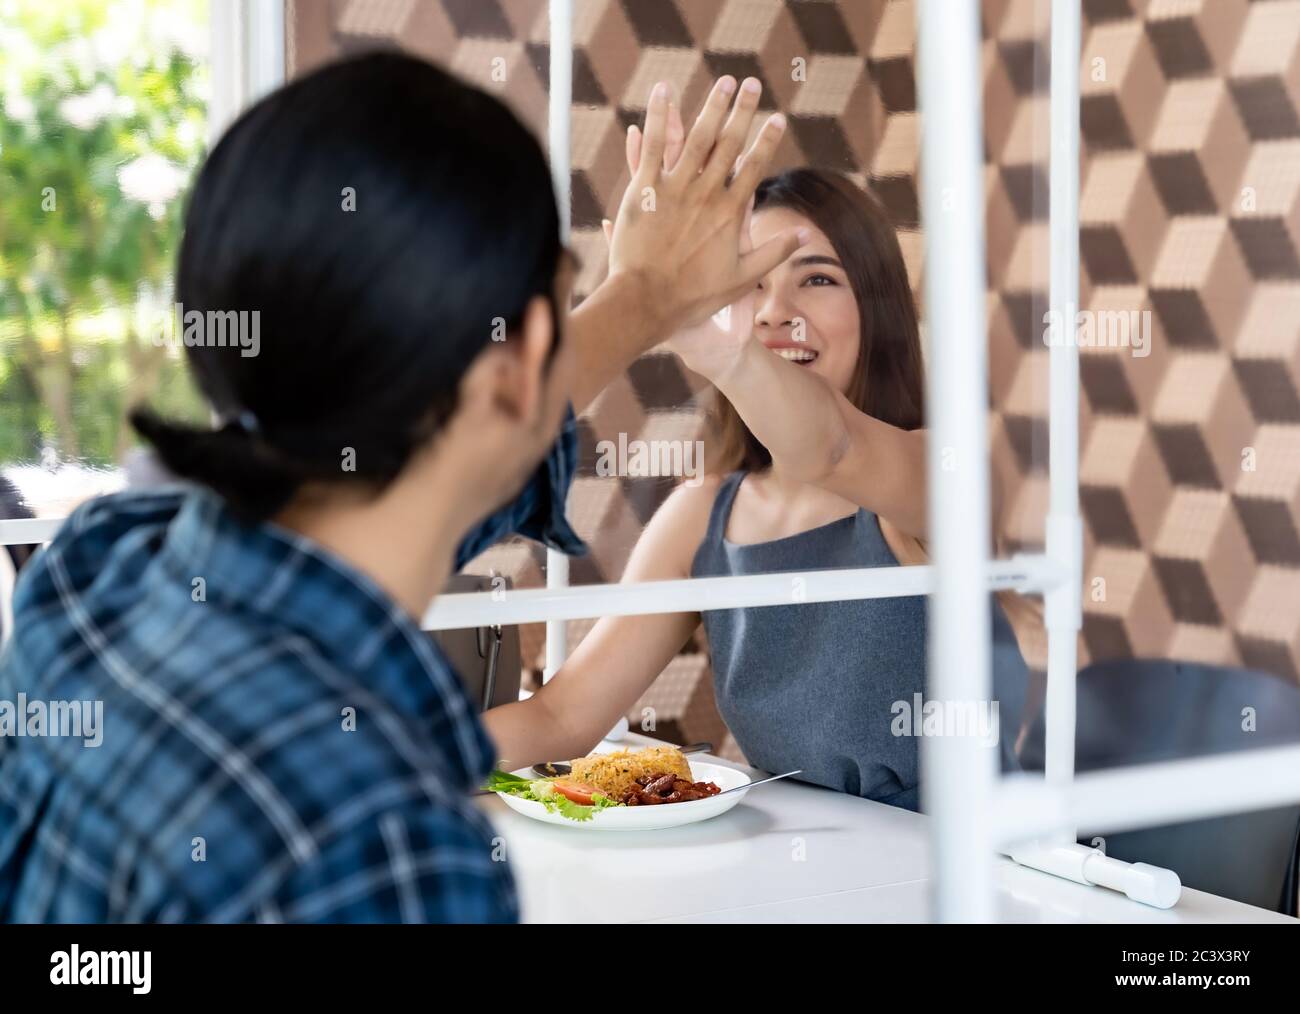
[280, 742]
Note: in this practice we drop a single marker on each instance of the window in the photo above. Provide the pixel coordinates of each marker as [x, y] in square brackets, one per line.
[108, 109]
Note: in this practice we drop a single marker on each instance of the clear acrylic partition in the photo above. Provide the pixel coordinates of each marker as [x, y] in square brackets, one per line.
[1185, 320]
[1179, 308]
[845, 76]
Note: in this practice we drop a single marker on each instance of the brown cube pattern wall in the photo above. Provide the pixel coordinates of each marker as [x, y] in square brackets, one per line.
[1190, 210]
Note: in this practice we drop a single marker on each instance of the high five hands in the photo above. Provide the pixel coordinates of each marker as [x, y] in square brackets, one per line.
[683, 224]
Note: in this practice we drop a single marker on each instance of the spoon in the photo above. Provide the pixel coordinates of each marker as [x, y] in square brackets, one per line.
[750, 785]
[554, 769]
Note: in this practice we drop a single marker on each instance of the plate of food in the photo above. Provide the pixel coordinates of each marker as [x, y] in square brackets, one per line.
[624, 790]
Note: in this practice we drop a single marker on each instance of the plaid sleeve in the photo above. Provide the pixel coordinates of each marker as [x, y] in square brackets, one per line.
[408, 865]
[538, 511]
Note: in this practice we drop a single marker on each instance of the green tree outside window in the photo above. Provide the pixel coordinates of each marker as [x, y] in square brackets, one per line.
[103, 123]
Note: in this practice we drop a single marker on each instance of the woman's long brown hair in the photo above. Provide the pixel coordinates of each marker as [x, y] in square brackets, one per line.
[888, 380]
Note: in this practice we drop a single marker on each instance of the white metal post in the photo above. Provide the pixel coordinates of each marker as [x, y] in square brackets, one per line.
[1064, 536]
[1056, 850]
[958, 772]
[558, 136]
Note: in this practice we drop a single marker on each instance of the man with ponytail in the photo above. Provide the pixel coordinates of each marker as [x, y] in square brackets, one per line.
[280, 740]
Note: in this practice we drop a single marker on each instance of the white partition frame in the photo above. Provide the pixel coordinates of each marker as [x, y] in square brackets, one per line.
[559, 123]
[958, 771]
[975, 812]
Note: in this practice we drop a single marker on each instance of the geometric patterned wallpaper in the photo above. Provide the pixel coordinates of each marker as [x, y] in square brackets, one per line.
[1191, 208]
[1190, 212]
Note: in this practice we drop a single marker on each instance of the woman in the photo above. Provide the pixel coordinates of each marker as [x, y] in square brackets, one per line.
[821, 464]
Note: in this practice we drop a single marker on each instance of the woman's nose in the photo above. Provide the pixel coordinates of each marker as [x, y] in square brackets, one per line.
[774, 310]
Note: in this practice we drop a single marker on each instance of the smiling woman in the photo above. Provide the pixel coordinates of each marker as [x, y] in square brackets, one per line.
[861, 333]
[819, 377]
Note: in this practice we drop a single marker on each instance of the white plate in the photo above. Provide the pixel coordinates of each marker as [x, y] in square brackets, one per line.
[645, 818]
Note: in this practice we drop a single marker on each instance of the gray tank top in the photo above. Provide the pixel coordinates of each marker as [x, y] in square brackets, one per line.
[814, 686]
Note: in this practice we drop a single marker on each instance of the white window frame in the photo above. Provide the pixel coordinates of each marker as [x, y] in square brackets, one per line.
[975, 812]
[246, 57]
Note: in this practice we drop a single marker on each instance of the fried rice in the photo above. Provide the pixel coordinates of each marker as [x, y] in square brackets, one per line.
[614, 773]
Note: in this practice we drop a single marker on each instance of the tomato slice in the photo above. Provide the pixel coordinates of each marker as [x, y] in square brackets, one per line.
[575, 791]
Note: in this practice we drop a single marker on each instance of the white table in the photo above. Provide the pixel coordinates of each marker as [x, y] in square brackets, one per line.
[789, 852]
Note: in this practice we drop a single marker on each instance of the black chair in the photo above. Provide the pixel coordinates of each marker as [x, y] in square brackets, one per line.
[1137, 711]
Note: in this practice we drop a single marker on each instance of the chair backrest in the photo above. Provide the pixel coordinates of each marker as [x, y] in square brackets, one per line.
[487, 659]
[1138, 711]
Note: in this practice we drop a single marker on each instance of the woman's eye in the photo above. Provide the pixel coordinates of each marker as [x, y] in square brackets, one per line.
[819, 280]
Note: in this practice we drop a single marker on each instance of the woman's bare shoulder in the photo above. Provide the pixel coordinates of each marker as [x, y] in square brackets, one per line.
[673, 535]
[689, 505]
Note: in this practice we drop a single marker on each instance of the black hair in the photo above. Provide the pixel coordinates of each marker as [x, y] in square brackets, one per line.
[368, 318]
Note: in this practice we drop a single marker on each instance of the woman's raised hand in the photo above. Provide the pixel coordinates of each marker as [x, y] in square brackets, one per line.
[680, 225]
[712, 345]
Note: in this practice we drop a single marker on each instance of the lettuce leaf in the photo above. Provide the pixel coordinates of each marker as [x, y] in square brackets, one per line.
[504, 781]
[555, 802]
